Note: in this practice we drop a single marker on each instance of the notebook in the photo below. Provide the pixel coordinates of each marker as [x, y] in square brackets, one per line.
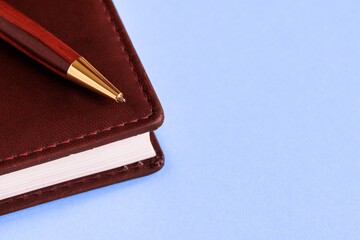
[57, 138]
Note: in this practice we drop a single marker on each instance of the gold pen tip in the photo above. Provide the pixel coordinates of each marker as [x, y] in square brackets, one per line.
[120, 98]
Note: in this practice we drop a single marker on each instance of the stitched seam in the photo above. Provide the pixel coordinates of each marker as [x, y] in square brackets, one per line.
[117, 33]
[123, 170]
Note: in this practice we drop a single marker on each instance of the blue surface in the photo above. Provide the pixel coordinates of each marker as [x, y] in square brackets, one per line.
[262, 129]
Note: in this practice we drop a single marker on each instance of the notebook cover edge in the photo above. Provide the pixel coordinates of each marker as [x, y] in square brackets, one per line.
[87, 183]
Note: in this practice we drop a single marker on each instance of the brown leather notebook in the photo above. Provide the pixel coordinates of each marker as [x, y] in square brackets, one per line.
[58, 139]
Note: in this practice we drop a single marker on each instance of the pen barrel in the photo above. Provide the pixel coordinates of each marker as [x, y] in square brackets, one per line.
[36, 42]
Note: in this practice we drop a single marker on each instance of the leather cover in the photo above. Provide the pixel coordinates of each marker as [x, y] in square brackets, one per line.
[45, 117]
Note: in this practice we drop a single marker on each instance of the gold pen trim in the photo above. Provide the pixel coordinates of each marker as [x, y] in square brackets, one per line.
[84, 74]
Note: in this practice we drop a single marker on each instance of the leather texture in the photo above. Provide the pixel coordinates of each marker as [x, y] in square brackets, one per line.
[87, 183]
[45, 117]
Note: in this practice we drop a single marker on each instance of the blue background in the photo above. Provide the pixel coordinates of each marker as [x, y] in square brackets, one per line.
[261, 135]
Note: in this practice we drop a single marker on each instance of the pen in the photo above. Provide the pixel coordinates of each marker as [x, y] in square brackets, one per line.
[36, 42]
